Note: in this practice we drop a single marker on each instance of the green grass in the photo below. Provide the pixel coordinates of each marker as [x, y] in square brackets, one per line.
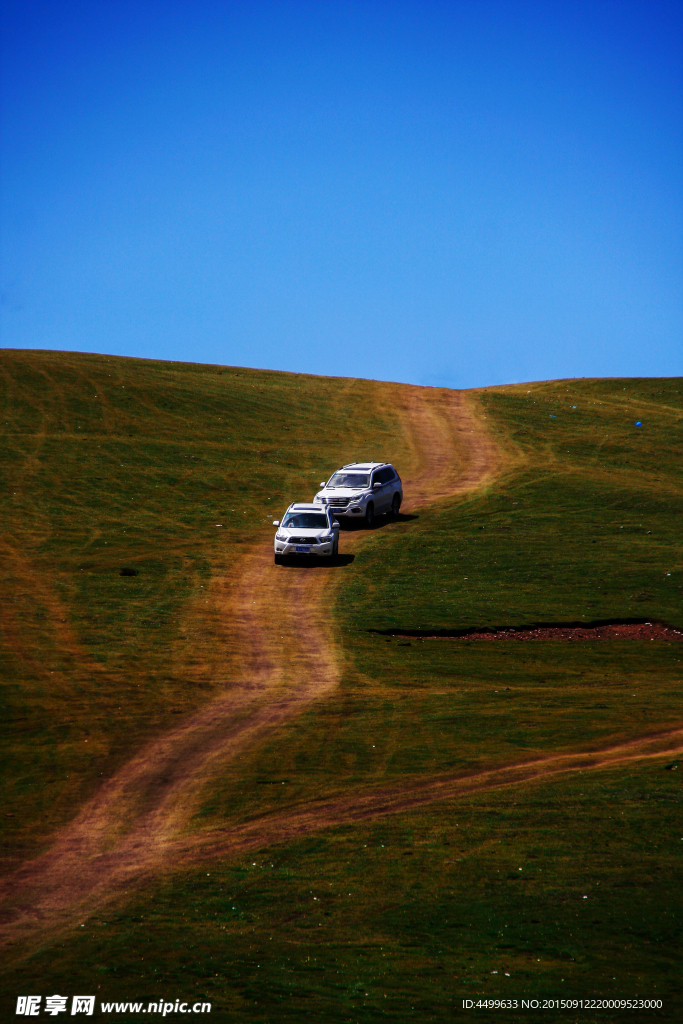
[413, 712]
[110, 463]
[412, 914]
[416, 910]
[577, 534]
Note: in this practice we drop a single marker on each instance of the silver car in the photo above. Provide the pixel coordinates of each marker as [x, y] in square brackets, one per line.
[362, 490]
[306, 529]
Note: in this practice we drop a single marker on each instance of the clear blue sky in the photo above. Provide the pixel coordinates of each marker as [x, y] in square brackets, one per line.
[442, 193]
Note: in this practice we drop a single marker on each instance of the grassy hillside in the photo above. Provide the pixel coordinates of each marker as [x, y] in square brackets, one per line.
[563, 888]
[404, 918]
[563, 540]
[110, 464]
[589, 529]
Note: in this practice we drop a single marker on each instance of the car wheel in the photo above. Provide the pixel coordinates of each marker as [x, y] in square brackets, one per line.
[395, 505]
[335, 549]
[370, 516]
[277, 559]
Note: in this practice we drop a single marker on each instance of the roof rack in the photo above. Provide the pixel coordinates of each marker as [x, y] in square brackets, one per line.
[369, 462]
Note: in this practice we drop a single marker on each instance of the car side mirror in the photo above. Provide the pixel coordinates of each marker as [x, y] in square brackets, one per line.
[276, 522]
[322, 483]
[335, 524]
[376, 485]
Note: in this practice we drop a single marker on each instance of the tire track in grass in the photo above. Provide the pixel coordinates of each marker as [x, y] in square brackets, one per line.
[129, 830]
[297, 822]
[57, 622]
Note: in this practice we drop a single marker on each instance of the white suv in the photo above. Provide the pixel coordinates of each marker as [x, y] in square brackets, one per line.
[306, 530]
[362, 490]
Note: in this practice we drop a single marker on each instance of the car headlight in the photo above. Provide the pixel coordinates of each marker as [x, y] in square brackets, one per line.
[324, 537]
[280, 536]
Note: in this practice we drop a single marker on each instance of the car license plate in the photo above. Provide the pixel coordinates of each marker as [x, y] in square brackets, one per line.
[302, 549]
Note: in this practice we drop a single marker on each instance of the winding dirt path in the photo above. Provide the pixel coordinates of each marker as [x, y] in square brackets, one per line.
[129, 829]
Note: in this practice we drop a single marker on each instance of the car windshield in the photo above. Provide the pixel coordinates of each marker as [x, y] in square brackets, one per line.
[305, 521]
[349, 480]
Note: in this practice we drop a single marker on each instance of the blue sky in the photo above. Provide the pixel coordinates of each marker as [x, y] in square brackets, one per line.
[460, 194]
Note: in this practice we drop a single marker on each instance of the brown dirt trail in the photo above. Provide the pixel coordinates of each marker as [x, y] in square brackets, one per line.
[299, 821]
[288, 656]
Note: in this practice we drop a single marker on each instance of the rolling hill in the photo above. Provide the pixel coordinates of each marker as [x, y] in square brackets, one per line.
[303, 790]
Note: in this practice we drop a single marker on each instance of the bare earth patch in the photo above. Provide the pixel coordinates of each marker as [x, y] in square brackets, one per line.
[603, 631]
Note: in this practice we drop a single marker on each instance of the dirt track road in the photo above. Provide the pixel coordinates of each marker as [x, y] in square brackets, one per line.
[297, 822]
[129, 829]
[132, 828]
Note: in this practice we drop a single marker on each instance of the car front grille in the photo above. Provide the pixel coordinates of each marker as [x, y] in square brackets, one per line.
[302, 540]
[338, 502]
